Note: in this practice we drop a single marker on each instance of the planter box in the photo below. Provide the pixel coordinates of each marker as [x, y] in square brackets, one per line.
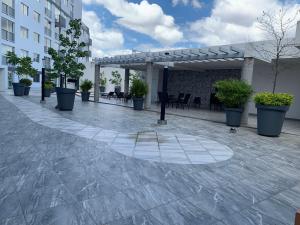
[138, 103]
[270, 119]
[26, 90]
[85, 96]
[102, 89]
[233, 116]
[47, 93]
[65, 98]
[19, 89]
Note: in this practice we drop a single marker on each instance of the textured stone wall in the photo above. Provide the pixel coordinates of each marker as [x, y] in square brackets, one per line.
[199, 84]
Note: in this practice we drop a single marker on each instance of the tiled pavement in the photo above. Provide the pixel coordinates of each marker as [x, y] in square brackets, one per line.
[52, 176]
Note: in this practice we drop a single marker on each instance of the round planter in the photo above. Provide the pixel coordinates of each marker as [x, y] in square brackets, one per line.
[270, 119]
[47, 93]
[18, 89]
[85, 96]
[102, 89]
[138, 103]
[26, 90]
[233, 116]
[65, 98]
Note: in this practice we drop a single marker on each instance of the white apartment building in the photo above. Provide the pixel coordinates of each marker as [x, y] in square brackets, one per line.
[30, 27]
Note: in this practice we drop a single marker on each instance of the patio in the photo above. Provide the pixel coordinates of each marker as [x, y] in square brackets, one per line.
[63, 168]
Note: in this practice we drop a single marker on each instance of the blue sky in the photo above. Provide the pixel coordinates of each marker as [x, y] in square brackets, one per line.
[122, 25]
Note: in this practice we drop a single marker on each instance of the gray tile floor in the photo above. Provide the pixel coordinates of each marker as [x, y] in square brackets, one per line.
[58, 175]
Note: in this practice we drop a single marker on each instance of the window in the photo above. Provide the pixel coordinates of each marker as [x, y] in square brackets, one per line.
[36, 57]
[24, 32]
[24, 9]
[48, 11]
[24, 53]
[66, 2]
[36, 37]
[8, 7]
[4, 50]
[36, 78]
[48, 27]
[36, 16]
[47, 44]
[7, 31]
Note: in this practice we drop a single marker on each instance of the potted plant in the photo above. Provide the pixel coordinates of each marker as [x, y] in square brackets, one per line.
[116, 80]
[27, 83]
[66, 63]
[48, 88]
[138, 90]
[103, 81]
[271, 110]
[233, 94]
[85, 86]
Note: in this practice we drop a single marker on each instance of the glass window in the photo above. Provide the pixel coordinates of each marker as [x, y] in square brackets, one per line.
[8, 7]
[24, 9]
[36, 16]
[24, 53]
[48, 27]
[24, 32]
[9, 3]
[36, 57]
[47, 45]
[4, 50]
[36, 37]
[7, 30]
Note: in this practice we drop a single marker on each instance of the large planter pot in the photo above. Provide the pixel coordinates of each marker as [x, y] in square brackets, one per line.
[102, 89]
[26, 90]
[85, 96]
[270, 119]
[233, 116]
[117, 89]
[65, 98]
[18, 89]
[47, 93]
[138, 103]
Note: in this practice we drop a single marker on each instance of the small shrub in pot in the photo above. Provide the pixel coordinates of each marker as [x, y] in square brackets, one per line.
[271, 110]
[234, 94]
[138, 90]
[27, 83]
[85, 86]
[48, 88]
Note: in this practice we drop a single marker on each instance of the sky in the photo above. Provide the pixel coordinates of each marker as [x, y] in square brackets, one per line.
[120, 26]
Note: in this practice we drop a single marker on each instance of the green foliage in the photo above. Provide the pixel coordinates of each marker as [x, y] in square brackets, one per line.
[27, 82]
[233, 93]
[65, 60]
[116, 78]
[49, 85]
[103, 80]
[273, 99]
[86, 85]
[138, 88]
[22, 66]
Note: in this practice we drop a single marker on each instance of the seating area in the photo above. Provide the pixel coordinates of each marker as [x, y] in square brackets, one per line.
[121, 96]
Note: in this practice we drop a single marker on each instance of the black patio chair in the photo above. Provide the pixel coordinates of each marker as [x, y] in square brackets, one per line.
[120, 95]
[177, 101]
[185, 101]
[197, 102]
[214, 102]
[127, 97]
[110, 94]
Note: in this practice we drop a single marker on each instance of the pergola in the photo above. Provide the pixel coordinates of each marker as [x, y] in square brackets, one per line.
[151, 62]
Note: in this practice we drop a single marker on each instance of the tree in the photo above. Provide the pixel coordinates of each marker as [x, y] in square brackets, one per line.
[277, 27]
[116, 78]
[65, 60]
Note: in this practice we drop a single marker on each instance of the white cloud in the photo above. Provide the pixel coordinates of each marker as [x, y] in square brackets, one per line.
[194, 3]
[233, 21]
[104, 39]
[144, 18]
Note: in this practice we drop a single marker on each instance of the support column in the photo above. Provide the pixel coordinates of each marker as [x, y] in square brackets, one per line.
[126, 81]
[247, 75]
[149, 83]
[97, 83]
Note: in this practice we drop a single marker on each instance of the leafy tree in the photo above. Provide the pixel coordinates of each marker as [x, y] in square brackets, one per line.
[103, 80]
[65, 60]
[116, 78]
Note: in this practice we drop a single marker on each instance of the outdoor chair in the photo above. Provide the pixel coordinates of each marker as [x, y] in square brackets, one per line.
[110, 94]
[197, 102]
[185, 101]
[120, 95]
[178, 100]
[214, 102]
[127, 97]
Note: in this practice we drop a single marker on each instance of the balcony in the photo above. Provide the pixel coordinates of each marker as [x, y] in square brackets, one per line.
[48, 12]
[61, 22]
[8, 36]
[8, 10]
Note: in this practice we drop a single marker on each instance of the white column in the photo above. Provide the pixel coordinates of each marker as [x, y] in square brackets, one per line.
[247, 75]
[96, 83]
[149, 73]
[126, 81]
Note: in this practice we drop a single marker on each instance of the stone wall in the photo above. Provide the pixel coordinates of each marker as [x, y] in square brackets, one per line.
[199, 84]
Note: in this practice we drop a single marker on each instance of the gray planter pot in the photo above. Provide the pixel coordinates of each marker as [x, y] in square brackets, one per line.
[233, 116]
[47, 93]
[270, 119]
[26, 90]
[102, 89]
[138, 103]
[19, 89]
[85, 96]
[65, 98]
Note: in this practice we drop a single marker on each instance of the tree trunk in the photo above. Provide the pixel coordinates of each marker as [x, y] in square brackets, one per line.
[276, 75]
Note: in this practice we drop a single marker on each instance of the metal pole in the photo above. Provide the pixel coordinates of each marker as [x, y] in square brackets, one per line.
[162, 120]
[43, 85]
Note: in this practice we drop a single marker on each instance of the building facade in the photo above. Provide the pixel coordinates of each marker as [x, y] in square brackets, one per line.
[30, 27]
